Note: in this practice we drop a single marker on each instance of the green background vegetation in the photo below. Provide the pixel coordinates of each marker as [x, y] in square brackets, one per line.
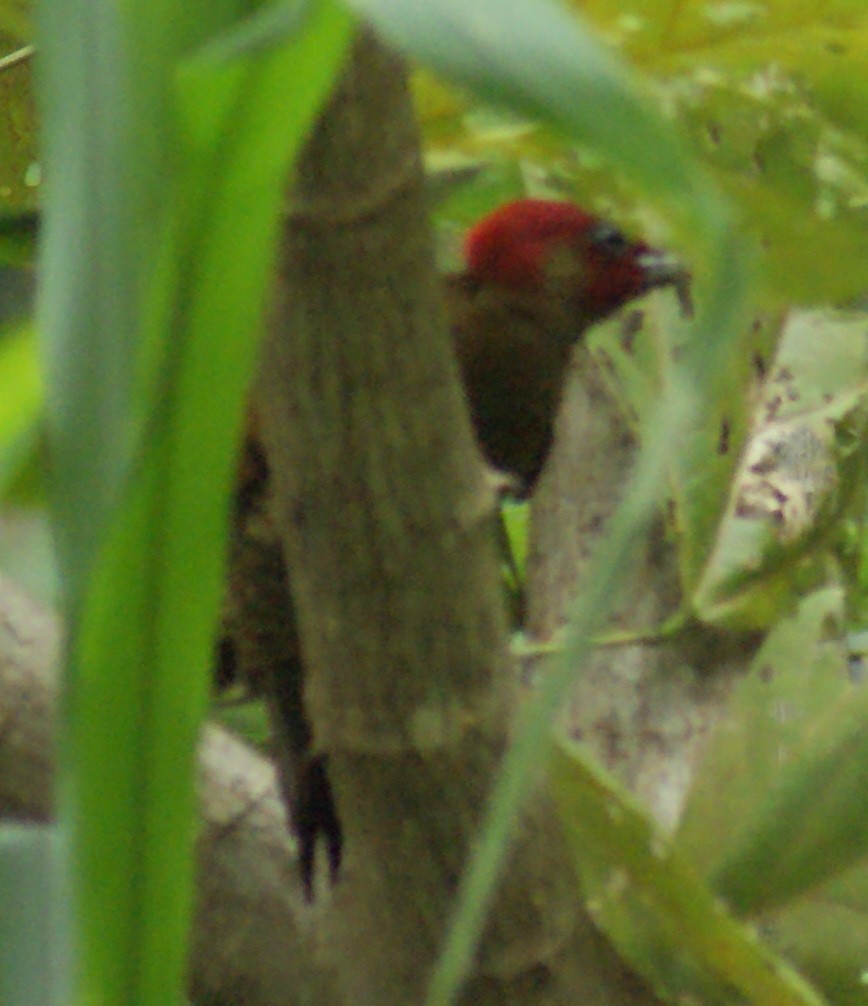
[736, 132]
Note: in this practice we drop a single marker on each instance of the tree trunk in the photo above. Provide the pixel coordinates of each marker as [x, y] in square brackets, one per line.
[386, 518]
[645, 708]
[251, 941]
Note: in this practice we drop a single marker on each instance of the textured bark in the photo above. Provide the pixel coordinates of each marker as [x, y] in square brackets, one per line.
[29, 652]
[387, 519]
[252, 940]
[579, 490]
[645, 709]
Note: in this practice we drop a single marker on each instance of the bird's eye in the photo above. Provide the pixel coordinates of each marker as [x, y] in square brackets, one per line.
[610, 240]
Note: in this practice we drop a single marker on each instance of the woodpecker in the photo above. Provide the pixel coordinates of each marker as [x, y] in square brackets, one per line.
[537, 275]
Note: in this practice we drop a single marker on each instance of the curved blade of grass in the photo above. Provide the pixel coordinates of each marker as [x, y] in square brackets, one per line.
[536, 58]
[89, 264]
[146, 591]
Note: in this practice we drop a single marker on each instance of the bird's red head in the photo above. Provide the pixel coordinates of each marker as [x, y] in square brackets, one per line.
[549, 246]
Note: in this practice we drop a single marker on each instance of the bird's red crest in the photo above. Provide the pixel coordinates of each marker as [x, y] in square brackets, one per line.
[560, 250]
[509, 245]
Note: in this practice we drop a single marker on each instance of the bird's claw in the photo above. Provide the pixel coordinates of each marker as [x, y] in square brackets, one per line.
[314, 816]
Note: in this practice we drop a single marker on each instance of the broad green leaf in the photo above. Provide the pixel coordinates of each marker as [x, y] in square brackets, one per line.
[779, 836]
[772, 97]
[701, 469]
[797, 680]
[826, 936]
[651, 903]
[813, 824]
[800, 475]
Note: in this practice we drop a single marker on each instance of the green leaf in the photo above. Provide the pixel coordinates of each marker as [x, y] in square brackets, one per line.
[665, 923]
[20, 403]
[538, 61]
[771, 95]
[813, 824]
[89, 301]
[795, 483]
[769, 816]
[797, 681]
[826, 936]
[170, 173]
[267, 26]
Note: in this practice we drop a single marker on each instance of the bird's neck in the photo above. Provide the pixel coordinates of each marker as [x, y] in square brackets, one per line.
[519, 313]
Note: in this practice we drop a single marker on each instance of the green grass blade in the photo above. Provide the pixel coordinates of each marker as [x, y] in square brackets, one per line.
[144, 533]
[90, 263]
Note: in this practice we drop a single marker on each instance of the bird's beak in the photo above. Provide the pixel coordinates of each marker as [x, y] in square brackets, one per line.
[661, 269]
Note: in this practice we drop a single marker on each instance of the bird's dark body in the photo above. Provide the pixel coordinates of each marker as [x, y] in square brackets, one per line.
[500, 355]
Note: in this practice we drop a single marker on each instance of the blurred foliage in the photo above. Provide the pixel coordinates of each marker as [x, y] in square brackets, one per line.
[19, 174]
[648, 898]
[776, 817]
[801, 480]
[773, 843]
[167, 133]
[18, 238]
[16, 24]
[21, 441]
[770, 96]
